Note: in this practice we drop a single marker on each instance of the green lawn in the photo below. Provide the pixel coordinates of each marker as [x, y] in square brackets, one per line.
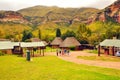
[51, 68]
[49, 49]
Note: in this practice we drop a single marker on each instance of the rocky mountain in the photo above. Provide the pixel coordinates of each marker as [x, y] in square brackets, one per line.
[43, 14]
[12, 16]
[110, 13]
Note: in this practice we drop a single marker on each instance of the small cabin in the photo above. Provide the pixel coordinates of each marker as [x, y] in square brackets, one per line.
[33, 46]
[109, 47]
[6, 47]
[35, 40]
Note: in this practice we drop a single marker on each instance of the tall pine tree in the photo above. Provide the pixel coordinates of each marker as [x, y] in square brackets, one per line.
[26, 35]
[39, 34]
[58, 32]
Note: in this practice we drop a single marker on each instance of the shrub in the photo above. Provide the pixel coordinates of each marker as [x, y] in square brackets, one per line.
[1, 54]
[28, 40]
[72, 48]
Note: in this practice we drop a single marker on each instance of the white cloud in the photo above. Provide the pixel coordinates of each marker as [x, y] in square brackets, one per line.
[102, 3]
[19, 4]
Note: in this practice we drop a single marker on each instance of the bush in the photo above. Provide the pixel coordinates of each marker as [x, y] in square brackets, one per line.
[28, 40]
[1, 54]
[72, 48]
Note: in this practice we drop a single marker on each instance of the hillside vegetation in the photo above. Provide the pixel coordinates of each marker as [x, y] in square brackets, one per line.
[44, 11]
[12, 30]
[41, 14]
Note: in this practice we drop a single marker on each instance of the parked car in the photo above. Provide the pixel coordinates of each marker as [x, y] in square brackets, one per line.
[117, 53]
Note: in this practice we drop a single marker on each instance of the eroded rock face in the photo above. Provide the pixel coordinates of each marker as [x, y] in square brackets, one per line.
[111, 12]
[11, 16]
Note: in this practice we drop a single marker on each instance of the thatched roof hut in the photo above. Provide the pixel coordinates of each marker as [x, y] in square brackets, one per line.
[57, 41]
[4, 40]
[35, 40]
[70, 42]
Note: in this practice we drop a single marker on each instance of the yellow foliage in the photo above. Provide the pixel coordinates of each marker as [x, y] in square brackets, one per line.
[12, 30]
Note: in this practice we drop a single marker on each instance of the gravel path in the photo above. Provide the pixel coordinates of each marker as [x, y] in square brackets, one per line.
[73, 58]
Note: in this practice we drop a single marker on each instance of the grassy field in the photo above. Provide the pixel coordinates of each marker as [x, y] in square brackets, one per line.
[49, 49]
[92, 51]
[101, 58]
[51, 68]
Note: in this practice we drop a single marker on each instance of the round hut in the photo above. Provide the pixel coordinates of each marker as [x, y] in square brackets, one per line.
[56, 42]
[70, 43]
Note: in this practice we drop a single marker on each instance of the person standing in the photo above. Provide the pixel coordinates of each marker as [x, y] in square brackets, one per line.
[68, 52]
[57, 52]
[62, 51]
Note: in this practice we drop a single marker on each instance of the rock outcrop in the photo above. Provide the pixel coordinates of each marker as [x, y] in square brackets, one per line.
[12, 16]
[110, 13]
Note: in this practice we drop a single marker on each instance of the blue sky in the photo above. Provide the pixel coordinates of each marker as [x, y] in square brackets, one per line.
[19, 4]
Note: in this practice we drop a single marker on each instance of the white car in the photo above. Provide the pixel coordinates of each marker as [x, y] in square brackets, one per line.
[117, 53]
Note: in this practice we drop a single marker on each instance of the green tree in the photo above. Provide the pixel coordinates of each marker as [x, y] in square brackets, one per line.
[29, 35]
[1, 33]
[118, 32]
[103, 30]
[83, 33]
[39, 34]
[58, 32]
[68, 34]
[26, 35]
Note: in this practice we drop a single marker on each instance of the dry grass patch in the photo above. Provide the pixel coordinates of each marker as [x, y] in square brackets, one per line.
[101, 58]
